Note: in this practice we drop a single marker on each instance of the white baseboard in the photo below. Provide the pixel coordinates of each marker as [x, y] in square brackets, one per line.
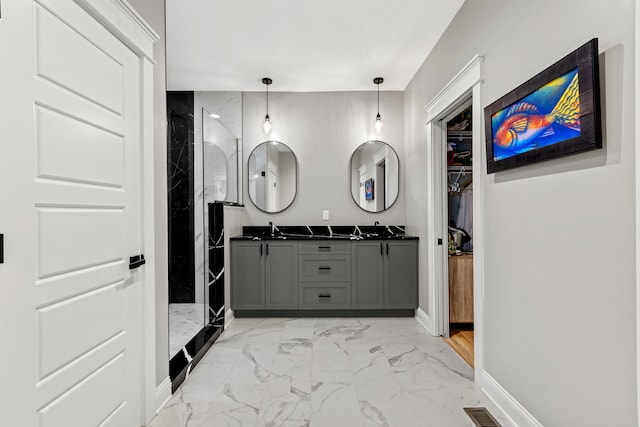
[424, 319]
[228, 318]
[517, 414]
[163, 394]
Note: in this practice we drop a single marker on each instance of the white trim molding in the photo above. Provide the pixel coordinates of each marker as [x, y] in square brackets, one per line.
[637, 196]
[228, 318]
[163, 394]
[466, 84]
[461, 84]
[122, 20]
[424, 320]
[516, 413]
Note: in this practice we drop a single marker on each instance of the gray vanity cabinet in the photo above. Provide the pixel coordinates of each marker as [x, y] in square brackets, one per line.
[281, 268]
[293, 276]
[247, 275]
[401, 274]
[367, 281]
[264, 275]
[324, 275]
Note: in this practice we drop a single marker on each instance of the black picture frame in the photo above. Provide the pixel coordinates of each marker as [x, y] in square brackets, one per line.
[368, 189]
[585, 59]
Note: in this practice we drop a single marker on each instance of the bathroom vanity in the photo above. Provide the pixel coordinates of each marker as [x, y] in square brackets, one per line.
[315, 274]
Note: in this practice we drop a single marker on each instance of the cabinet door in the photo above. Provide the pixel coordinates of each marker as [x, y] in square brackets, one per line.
[247, 276]
[367, 278]
[401, 274]
[461, 289]
[281, 261]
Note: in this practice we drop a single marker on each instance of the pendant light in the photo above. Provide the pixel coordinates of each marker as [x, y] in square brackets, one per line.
[267, 120]
[378, 124]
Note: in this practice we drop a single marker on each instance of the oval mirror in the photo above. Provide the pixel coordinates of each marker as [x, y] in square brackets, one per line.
[273, 176]
[375, 176]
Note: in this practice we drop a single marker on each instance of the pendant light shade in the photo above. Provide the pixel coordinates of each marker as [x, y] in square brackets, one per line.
[378, 124]
[266, 125]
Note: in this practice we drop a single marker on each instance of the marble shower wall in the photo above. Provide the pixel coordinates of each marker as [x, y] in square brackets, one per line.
[180, 196]
[216, 264]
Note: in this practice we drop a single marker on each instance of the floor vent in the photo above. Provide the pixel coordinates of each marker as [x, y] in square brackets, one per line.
[481, 417]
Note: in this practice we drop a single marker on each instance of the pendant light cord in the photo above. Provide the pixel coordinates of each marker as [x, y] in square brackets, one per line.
[378, 98]
[267, 100]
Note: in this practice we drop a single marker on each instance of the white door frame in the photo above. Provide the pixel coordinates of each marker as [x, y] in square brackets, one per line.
[466, 84]
[637, 195]
[441, 215]
[379, 157]
[124, 22]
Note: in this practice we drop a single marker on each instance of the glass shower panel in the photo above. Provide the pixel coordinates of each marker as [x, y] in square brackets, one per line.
[220, 157]
[220, 161]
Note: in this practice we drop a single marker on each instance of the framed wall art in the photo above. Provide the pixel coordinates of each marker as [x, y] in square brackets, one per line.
[556, 113]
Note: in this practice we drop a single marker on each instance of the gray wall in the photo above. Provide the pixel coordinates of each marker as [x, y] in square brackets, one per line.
[323, 129]
[559, 236]
[153, 12]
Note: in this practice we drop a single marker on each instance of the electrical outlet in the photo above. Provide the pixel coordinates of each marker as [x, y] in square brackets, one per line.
[325, 215]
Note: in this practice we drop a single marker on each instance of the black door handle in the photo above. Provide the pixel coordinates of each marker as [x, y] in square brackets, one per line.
[267, 248]
[387, 249]
[260, 249]
[136, 261]
[381, 250]
[324, 296]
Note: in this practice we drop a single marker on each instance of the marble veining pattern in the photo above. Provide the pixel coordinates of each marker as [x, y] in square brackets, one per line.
[185, 321]
[327, 372]
[180, 201]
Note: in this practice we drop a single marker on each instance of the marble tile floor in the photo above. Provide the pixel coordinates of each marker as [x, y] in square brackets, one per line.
[185, 321]
[327, 372]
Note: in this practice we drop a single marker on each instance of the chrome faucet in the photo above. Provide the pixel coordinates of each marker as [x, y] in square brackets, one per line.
[376, 223]
[271, 228]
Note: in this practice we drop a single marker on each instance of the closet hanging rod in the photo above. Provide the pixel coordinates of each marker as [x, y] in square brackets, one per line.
[457, 168]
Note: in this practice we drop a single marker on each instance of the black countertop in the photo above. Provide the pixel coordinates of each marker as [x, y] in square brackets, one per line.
[350, 232]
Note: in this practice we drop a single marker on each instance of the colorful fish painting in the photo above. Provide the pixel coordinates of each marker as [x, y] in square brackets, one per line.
[548, 115]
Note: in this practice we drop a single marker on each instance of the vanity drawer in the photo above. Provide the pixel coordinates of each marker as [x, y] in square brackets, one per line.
[315, 247]
[324, 268]
[315, 296]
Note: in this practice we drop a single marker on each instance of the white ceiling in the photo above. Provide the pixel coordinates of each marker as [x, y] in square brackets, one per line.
[303, 45]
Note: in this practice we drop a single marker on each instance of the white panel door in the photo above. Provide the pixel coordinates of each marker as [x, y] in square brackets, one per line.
[81, 215]
[87, 193]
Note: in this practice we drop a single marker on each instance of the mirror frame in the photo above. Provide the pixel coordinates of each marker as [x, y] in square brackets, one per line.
[350, 176]
[295, 194]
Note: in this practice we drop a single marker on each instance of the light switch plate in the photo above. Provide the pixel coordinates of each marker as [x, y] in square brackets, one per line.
[325, 215]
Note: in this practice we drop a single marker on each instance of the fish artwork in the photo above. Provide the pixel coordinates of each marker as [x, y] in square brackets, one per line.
[549, 115]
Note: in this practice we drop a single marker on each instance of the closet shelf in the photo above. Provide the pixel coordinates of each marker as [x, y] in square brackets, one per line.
[459, 168]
